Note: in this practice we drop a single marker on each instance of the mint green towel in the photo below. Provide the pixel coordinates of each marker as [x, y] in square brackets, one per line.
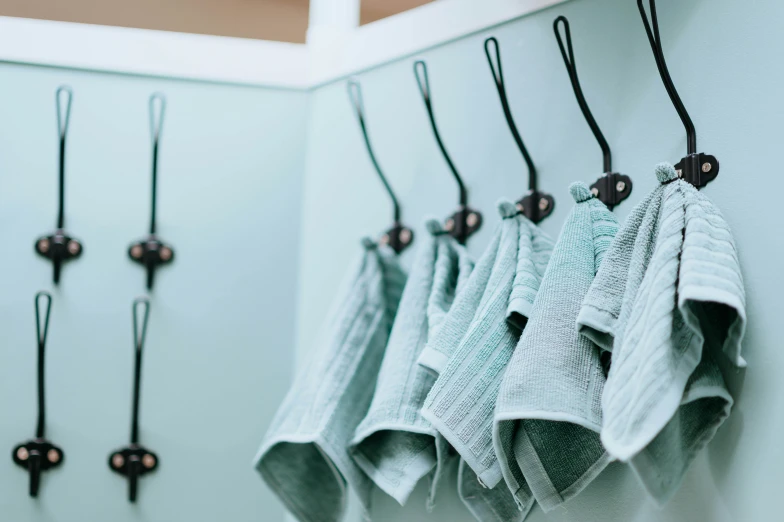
[462, 400]
[485, 504]
[668, 300]
[548, 415]
[304, 457]
[394, 445]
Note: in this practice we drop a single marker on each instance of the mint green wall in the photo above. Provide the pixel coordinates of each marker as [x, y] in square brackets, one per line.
[219, 346]
[725, 58]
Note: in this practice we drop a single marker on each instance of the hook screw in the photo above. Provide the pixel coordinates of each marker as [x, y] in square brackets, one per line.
[620, 186]
[22, 454]
[706, 167]
[543, 204]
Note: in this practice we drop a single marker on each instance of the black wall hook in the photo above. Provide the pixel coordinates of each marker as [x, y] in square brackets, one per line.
[697, 168]
[466, 220]
[612, 187]
[134, 460]
[59, 246]
[39, 454]
[535, 205]
[399, 236]
[151, 251]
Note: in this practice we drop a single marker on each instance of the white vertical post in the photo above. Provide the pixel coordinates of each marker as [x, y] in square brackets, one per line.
[330, 26]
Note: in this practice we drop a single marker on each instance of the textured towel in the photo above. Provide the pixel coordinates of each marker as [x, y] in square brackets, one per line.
[548, 415]
[485, 504]
[394, 445]
[304, 456]
[667, 300]
[462, 400]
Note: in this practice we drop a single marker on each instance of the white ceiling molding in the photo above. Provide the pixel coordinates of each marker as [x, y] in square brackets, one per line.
[331, 53]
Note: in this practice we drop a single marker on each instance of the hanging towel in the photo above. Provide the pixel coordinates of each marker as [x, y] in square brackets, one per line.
[486, 504]
[394, 445]
[548, 415]
[462, 400]
[304, 457]
[667, 300]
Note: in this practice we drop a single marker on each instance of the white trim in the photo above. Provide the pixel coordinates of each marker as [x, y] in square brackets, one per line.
[332, 51]
[153, 53]
[411, 32]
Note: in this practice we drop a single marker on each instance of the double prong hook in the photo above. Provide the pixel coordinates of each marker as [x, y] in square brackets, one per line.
[135, 460]
[399, 236]
[39, 455]
[152, 251]
[59, 246]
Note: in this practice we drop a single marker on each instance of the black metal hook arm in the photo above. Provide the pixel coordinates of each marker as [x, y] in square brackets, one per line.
[41, 337]
[612, 187]
[498, 77]
[399, 236]
[420, 71]
[157, 113]
[355, 94]
[62, 130]
[139, 335]
[151, 251]
[38, 455]
[59, 246]
[568, 56]
[652, 30]
[697, 168]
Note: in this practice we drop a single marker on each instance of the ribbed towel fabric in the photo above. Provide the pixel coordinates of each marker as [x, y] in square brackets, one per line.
[668, 300]
[548, 415]
[304, 457]
[394, 445]
[461, 402]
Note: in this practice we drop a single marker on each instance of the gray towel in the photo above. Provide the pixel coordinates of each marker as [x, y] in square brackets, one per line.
[462, 400]
[394, 445]
[304, 457]
[667, 300]
[548, 415]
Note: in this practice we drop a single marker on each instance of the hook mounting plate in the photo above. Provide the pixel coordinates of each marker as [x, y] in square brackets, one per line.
[536, 206]
[612, 188]
[151, 252]
[58, 247]
[399, 237]
[698, 169]
[36, 456]
[133, 462]
[462, 224]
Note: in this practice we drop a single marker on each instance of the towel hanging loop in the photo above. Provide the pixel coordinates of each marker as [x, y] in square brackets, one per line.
[536, 205]
[135, 460]
[59, 246]
[466, 220]
[39, 454]
[697, 168]
[399, 236]
[152, 251]
[612, 187]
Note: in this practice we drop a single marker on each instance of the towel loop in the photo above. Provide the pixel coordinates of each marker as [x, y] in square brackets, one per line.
[59, 246]
[697, 168]
[152, 251]
[39, 454]
[535, 205]
[463, 223]
[134, 460]
[399, 236]
[612, 187]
